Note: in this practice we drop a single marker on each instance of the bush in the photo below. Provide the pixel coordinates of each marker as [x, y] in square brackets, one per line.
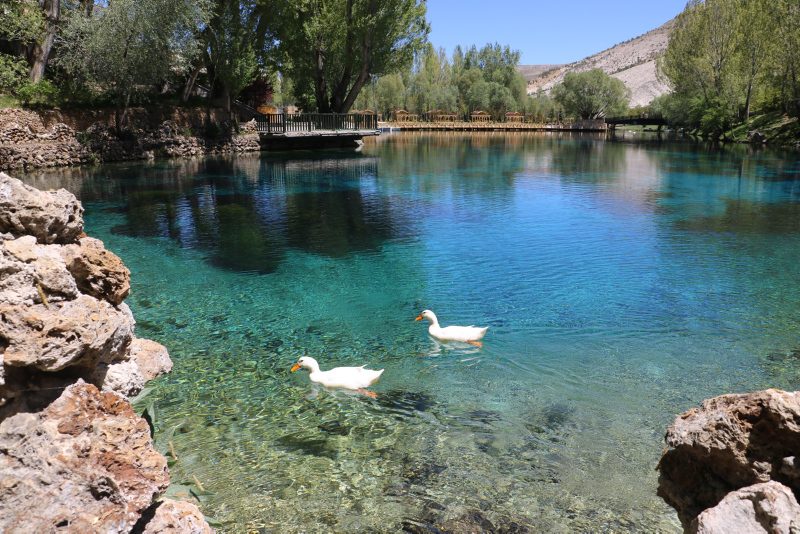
[42, 92]
[13, 71]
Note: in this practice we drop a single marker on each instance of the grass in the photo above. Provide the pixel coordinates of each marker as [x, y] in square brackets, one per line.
[778, 128]
[9, 101]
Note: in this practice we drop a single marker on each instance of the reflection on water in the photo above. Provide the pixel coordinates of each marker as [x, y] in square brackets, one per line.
[623, 281]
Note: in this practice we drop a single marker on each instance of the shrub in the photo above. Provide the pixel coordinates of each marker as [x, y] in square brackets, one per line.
[42, 92]
[13, 71]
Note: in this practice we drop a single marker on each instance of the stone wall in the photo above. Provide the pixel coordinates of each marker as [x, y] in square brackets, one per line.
[73, 454]
[31, 139]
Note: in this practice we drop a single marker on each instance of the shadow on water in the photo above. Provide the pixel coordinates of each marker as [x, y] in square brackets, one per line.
[243, 213]
[745, 216]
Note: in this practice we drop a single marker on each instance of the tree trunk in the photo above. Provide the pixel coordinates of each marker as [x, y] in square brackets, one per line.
[120, 115]
[363, 76]
[41, 49]
[187, 88]
[86, 6]
[323, 105]
[338, 97]
[747, 101]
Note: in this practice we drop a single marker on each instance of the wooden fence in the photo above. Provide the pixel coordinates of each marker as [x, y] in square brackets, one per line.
[313, 122]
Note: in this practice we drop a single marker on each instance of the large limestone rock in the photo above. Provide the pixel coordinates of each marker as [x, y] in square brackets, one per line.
[31, 274]
[72, 456]
[767, 508]
[731, 442]
[84, 332]
[86, 462]
[98, 272]
[51, 217]
[144, 360]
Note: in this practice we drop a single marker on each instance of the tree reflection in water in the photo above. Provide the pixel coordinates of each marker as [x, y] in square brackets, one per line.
[242, 213]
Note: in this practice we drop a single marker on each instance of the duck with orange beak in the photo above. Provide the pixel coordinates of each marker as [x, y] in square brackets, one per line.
[355, 378]
[465, 334]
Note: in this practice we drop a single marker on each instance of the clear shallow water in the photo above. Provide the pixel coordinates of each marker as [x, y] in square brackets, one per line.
[623, 283]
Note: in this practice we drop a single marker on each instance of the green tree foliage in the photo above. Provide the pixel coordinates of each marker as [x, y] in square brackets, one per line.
[130, 45]
[233, 41]
[21, 21]
[22, 24]
[726, 56]
[484, 79]
[591, 94]
[13, 71]
[334, 47]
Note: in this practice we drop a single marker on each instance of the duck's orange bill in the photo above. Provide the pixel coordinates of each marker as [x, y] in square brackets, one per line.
[418, 318]
[295, 368]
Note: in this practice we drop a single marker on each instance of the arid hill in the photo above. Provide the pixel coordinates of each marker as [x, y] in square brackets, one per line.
[633, 62]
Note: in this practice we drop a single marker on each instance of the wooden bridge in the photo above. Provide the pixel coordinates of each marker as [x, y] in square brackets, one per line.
[646, 119]
[282, 123]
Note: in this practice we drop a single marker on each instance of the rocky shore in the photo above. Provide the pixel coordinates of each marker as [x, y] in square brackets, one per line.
[73, 454]
[733, 464]
[29, 139]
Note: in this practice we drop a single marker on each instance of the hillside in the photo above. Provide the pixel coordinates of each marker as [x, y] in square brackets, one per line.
[633, 62]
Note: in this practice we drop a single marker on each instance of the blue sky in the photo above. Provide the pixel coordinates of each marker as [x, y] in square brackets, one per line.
[547, 32]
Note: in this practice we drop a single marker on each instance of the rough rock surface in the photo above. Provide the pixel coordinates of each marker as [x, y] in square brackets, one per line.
[84, 332]
[71, 456]
[767, 508]
[99, 273]
[87, 461]
[731, 442]
[176, 517]
[29, 271]
[152, 358]
[51, 217]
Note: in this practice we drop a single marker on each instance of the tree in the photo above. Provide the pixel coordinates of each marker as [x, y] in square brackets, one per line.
[232, 47]
[701, 60]
[335, 46]
[754, 30]
[41, 47]
[389, 93]
[131, 45]
[786, 53]
[591, 94]
[22, 25]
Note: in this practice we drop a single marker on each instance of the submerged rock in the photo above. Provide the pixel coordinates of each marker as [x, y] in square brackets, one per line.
[731, 442]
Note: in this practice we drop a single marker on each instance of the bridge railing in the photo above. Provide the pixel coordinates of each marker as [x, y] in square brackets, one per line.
[635, 118]
[311, 122]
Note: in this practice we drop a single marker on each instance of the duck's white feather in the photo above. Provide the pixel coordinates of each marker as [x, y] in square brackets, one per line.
[339, 377]
[452, 333]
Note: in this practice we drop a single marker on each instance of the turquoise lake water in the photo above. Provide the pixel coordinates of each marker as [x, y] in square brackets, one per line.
[622, 281]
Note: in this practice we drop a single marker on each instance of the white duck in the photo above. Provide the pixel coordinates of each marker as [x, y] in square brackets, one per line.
[355, 378]
[465, 334]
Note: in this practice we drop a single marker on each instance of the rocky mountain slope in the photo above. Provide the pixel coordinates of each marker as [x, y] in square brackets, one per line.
[633, 62]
